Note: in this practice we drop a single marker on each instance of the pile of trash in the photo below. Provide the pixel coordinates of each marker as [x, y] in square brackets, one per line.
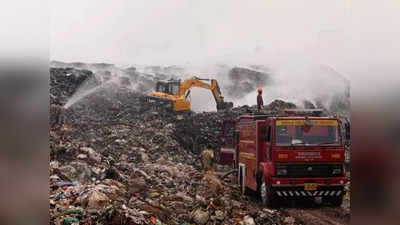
[64, 83]
[112, 163]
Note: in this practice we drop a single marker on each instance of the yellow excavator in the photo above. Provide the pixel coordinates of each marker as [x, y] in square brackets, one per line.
[173, 94]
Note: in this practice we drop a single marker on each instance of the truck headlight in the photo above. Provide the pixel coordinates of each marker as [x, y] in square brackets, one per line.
[281, 172]
[337, 171]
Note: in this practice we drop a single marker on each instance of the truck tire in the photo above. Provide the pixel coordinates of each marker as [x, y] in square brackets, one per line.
[267, 197]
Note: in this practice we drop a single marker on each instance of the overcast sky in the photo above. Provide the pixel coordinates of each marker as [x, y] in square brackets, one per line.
[354, 37]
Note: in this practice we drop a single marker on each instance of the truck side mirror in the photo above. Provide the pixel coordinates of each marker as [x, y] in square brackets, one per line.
[265, 131]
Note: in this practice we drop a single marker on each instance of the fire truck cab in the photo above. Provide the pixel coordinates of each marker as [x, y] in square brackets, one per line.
[299, 154]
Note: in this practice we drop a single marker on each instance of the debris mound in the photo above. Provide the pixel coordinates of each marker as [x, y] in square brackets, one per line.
[112, 162]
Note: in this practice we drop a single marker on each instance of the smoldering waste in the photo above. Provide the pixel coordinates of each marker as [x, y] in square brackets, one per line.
[113, 162]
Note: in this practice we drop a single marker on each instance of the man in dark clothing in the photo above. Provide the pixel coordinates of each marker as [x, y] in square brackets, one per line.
[260, 102]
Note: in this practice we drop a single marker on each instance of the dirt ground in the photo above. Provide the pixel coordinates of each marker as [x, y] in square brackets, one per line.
[309, 213]
[316, 215]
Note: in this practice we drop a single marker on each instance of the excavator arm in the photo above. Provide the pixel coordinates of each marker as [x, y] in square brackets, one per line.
[198, 82]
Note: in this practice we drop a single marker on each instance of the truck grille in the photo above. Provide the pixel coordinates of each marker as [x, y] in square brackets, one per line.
[310, 169]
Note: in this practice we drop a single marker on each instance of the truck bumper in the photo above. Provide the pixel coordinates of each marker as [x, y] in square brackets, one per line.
[325, 187]
[328, 191]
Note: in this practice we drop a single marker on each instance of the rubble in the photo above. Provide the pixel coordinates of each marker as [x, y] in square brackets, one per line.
[200, 217]
[279, 105]
[248, 220]
[113, 163]
[65, 82]
[95, 200]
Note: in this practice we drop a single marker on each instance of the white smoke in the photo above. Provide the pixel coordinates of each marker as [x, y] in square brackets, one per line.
[292, 82]
[299, 82]
[110, 77]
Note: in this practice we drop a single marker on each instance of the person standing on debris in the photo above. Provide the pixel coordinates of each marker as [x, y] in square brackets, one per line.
[58, 112]
[260, 102]
[207, 158]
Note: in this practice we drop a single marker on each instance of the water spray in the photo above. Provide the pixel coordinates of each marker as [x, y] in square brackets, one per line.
[79, 96]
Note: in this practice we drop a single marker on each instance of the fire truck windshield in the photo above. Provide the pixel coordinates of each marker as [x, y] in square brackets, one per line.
[290, 132]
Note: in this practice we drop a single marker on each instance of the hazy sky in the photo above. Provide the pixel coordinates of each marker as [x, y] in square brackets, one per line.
[354, 37]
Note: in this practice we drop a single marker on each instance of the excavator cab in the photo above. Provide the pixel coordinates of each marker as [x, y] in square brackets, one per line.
[169, 87]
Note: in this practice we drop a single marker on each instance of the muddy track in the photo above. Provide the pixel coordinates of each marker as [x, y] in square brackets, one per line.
[318, 215]
[307, 212]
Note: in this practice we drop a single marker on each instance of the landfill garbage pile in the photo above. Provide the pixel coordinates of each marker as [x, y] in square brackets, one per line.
[112, 163]
[64, 83]
[141, 81]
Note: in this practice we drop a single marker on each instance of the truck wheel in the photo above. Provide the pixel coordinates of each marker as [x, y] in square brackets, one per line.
[267, 196]
[336, 201]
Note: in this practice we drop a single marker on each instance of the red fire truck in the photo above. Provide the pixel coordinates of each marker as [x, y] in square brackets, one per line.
[299, 154]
